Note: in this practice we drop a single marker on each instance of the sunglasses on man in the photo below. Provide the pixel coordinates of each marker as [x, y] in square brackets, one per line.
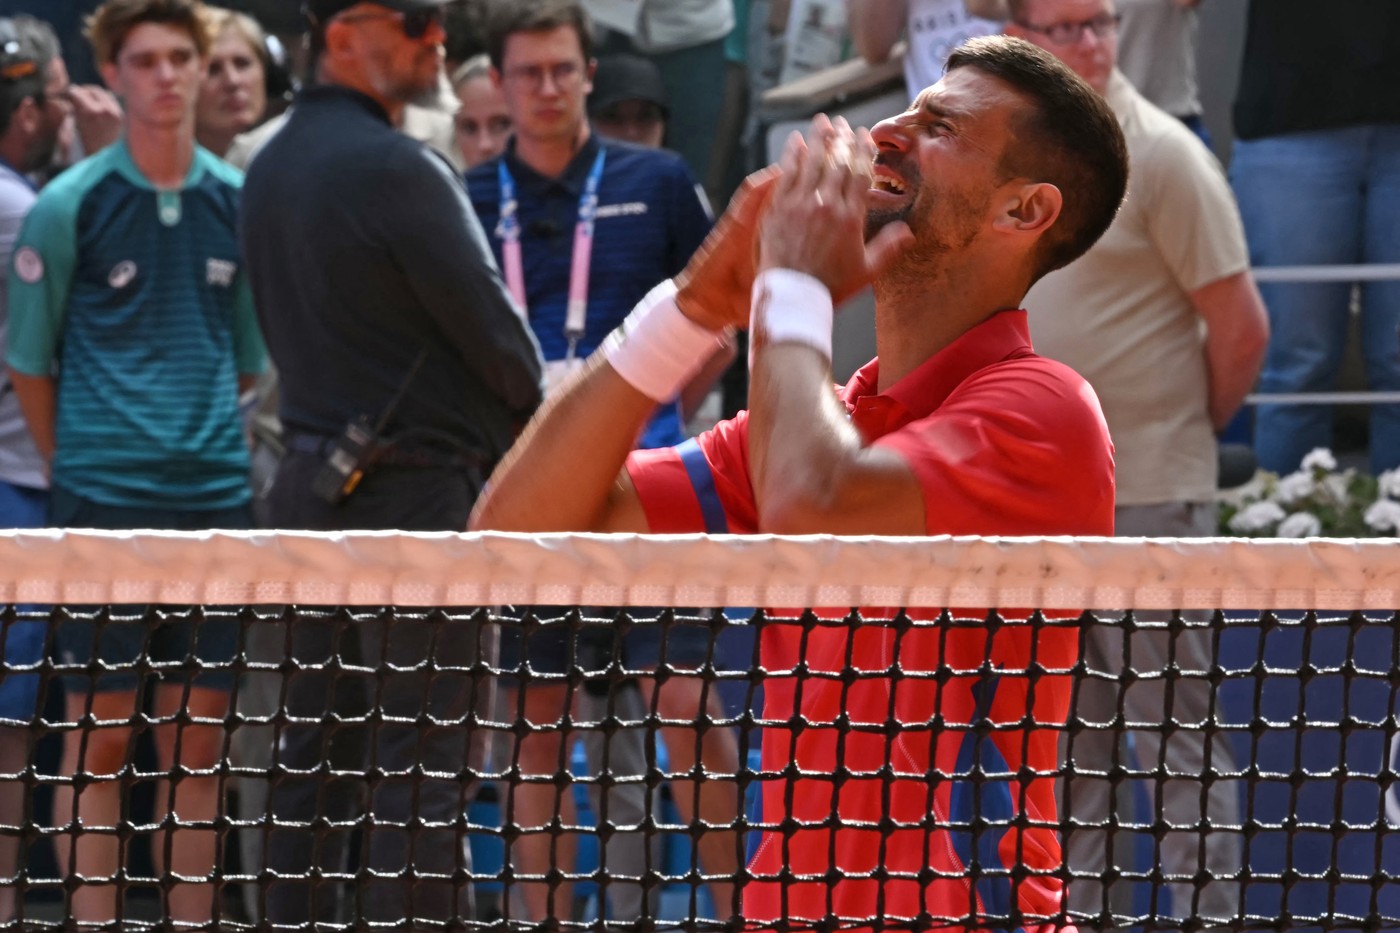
[415, 24]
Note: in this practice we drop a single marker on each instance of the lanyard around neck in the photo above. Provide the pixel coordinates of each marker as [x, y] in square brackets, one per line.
[509, 232]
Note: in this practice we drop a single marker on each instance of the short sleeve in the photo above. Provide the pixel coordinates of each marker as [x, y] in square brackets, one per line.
[700, 485]
[1191, 212]
[40, 278]
[991, 460]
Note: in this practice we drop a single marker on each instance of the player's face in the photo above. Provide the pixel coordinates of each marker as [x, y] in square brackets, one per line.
[937, 165]
[483, 122]
[545, 79]
[1081, 33]
[233, 95]
[157, 75]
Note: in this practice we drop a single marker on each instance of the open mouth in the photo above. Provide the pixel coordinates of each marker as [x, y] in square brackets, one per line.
[888, 182]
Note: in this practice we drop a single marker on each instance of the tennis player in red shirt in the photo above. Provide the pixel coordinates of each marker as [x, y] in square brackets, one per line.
[1008, 168]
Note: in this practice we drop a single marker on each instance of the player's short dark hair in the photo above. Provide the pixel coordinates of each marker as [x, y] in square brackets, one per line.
[114, 20]
[1068, 137]
[515, 16]
[27, 48]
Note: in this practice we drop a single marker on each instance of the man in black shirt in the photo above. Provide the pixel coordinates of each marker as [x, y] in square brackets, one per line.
[383, 310]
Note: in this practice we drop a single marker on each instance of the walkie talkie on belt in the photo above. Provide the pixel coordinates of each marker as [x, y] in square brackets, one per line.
[354, 450]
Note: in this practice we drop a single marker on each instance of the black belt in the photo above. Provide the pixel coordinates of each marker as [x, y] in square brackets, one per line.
[387, 453]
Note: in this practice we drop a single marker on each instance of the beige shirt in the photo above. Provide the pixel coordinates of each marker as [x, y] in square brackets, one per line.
[1121, 315]
[1157, 53]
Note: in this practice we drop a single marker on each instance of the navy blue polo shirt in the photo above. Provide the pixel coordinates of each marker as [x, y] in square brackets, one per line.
[651, 218]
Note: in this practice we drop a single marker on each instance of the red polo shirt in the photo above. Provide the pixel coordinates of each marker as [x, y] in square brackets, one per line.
[1004, 443]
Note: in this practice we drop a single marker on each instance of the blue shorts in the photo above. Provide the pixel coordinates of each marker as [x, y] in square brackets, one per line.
[23, 634]
[128, 642]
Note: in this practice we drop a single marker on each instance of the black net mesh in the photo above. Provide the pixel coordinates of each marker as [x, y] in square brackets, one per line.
[262, 767]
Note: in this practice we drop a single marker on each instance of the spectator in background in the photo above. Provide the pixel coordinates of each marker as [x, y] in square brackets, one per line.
[33, 108]
[932, 29]
[628, 101]
[385, 314]
[233, 97]
[1172, 265]
[556, 190]
[1316, 168]
[1157, 54]
[483, 120]
[131, 333]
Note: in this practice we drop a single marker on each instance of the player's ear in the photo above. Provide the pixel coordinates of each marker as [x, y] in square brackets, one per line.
[1031, 207]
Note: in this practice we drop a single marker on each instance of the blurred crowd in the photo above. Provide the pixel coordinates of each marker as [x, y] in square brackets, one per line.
[314, 268]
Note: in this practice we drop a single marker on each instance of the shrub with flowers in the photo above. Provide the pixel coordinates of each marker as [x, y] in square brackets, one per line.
[1318, 500]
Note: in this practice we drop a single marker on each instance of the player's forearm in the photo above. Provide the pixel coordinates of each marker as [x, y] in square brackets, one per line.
[799, 439]
[562, 472]
[37, 400]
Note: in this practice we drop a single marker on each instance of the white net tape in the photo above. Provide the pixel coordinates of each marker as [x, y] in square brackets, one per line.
[392, 568]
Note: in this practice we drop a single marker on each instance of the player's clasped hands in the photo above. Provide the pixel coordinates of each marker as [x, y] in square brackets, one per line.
[816, 221]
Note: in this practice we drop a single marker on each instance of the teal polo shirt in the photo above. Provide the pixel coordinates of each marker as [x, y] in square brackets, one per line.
[136, 301]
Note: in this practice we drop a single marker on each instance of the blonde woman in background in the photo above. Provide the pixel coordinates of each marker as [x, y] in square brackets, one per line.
[482, 124]
[233, 97]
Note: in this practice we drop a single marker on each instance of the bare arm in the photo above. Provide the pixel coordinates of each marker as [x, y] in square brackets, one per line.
[1237, 332]
[876, 26]
[36, 396]
[810, 468]
[695, 391]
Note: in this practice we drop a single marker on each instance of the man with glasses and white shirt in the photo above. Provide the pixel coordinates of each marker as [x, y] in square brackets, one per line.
[386, 317]
[1167, 292]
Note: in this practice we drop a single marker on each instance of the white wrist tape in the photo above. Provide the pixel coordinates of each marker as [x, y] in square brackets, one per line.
[658, 350]
[792, 307]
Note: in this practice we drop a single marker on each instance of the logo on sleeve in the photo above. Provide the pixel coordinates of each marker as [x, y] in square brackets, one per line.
[219, 272]
[122, 274]
[29, 265]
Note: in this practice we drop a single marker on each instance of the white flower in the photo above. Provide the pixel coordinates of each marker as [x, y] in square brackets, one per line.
[1300, 525]
[1319, 458]
[1384, 515]
[1338, 486]
[1295, 486]
[1388, 483]
[1256, 517]
[1254, 490]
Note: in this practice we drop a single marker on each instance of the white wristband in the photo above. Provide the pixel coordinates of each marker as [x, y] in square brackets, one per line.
[793, 307]
[658, 350]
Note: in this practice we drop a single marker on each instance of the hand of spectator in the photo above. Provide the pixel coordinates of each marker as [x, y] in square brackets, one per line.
[97, 114]
[816, 222]
[715, 286]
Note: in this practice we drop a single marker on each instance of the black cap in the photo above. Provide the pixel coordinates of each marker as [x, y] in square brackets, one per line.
[318, 12]
[626, 77]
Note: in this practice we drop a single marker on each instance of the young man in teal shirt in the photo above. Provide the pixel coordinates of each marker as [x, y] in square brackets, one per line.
[132, 334]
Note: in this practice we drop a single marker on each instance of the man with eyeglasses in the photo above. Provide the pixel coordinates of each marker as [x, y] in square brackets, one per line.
[583, 228]
[1163, 318]
[405, 370]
